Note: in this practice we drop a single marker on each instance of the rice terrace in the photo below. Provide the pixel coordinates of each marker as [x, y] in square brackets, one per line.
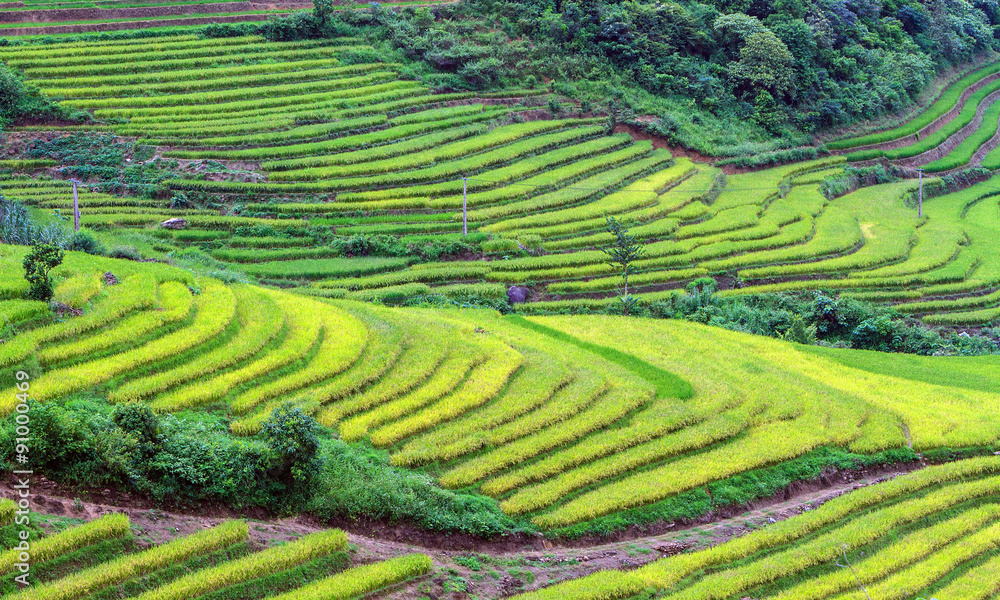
[482, 299]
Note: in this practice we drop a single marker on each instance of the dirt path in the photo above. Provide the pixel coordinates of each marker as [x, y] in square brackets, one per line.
[489, 571]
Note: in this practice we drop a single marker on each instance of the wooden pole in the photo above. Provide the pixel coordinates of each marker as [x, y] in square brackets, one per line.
[76, 208]
[920, 194]
[465, 206]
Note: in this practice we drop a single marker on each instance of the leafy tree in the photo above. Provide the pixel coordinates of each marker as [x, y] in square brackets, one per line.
[294, 437]
[767, 112]
[622, 253]
[799, 332]
[765, 64]
[21, 100]
[737, 28]
[37, 264]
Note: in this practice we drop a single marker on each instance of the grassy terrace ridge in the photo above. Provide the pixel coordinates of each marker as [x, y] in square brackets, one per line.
[127, 20]
[171, 11]
[213, 560]
[929, 533]
[563, 420]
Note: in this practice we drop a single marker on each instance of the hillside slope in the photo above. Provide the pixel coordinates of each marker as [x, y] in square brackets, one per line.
[561, 419]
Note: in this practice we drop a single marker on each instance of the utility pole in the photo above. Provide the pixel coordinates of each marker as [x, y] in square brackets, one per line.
[76, 207]
[465, 206]
[920, 194]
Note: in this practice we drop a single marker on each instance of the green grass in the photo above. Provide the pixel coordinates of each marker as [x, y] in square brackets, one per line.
[970, 372]
[667, 384]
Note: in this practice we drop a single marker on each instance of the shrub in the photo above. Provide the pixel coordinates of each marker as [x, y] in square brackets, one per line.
[125, 252]
[85, 440]
[37, 264]
[20, 100]
[369, 245]
[358, 481]
[140, 421]
[293, 436]
[84, 242]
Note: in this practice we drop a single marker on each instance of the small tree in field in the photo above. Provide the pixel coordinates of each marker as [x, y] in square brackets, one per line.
[37, 264]
[623, 251]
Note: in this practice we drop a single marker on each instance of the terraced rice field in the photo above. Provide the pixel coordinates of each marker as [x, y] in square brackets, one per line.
[55, 17]
[927, 534]
[318, 142]
[219, 560]
[582, 423]
[549, 415]
[958, 130]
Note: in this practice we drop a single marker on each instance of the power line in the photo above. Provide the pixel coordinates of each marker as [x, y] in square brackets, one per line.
[678, 188]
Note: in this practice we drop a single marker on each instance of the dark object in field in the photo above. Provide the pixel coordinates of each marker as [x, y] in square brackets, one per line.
[110, 279]
[517, 294]
[175, 223]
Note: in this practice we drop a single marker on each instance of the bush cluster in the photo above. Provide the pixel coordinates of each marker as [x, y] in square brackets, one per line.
[101, 158]
[20, 101]
[181, 459]
[822, 319]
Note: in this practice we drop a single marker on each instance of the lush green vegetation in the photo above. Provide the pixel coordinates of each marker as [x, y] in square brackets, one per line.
[568, 424]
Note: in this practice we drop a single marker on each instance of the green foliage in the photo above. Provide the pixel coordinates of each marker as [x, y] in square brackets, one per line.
[358, 483]
[81, 241]
[20, 100]
[294, 438]
[424, 247]
[17, 227]
[765, 65]
[139, 421]
[37, 264]
[181, 460]
[770, 74]
[87, 156]
[817, 319]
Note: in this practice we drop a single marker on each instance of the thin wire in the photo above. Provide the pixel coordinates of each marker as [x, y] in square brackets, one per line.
[586, 189]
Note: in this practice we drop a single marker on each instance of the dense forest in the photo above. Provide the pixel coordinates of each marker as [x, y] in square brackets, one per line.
[724, 77]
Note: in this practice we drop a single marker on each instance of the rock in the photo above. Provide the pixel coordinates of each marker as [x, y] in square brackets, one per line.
[517, 294]
[110, 279]
[175, 223]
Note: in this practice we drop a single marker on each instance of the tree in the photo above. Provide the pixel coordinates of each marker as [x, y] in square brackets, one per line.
[765, 64]
[767, 113]
[618, 112]
[294, 438]
[37, 264]
[622, 253]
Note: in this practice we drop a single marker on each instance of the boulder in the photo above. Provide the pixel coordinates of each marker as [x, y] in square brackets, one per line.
[175, 223]
[110, 279]
[517, 294]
